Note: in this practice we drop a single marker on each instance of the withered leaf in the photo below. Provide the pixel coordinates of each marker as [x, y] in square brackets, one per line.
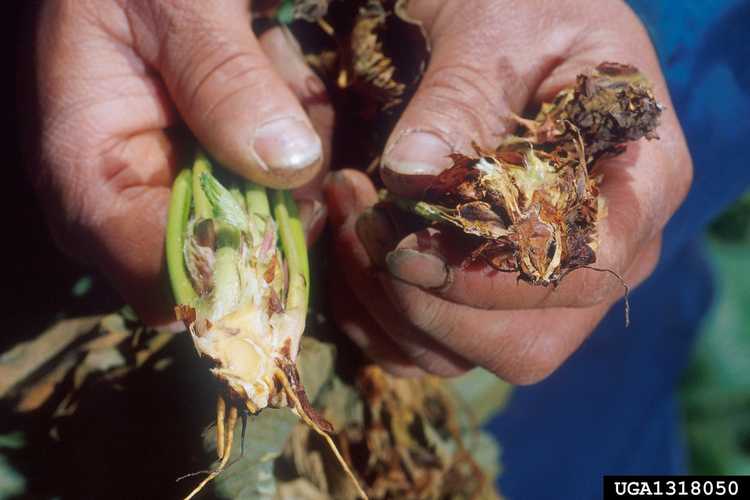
[533, 202]
[310, 10]
[371, 55]
[407, 439]
[612, 105]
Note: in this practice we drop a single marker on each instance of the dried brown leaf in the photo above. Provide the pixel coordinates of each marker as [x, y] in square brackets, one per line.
[404, 437]
[533, 202]
[310, 10]
[26, 358]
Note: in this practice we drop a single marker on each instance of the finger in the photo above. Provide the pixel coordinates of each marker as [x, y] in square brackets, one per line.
[227, 91]
[521, 346]
[286, 57]
[355, 321]
[476, 77]
[348, 193]
[312, 214]
[435, 261]
[642, 188]
[105, 165]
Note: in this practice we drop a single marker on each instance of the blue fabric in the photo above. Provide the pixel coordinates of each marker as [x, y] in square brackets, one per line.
[612, 409]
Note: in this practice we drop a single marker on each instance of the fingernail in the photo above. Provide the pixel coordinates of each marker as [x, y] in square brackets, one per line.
[287, 144]
[418, 153]
[376, 234]
[424, 270]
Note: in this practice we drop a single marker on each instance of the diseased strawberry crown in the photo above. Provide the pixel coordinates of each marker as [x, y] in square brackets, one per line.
[533, 203]
[247, 315]
[237, 259]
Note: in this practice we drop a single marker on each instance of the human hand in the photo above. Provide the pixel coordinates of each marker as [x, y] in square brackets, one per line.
[407, 300]
[114, 78]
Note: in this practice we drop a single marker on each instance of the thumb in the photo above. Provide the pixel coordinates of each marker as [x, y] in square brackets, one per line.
[471, 85]
[227, 91]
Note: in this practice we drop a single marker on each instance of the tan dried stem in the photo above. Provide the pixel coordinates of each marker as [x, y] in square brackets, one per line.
[227, 440]
[220, 416]
[299, 409]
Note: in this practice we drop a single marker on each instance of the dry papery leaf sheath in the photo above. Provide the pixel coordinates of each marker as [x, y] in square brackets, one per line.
[532, 204]
[370, 54]
[408, 438]
[238, 264]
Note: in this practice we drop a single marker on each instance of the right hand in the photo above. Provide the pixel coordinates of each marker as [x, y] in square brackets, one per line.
[114, 76]
[408, 299]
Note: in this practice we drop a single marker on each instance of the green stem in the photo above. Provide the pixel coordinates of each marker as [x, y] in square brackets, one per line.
[434, 213]
[237, 195]
[226, 282]
[293, 242]
[256, 198]
[201, 166]
[285, 14]
[177, 220]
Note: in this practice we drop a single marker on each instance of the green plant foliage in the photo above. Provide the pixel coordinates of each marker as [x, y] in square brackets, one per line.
[716, 390]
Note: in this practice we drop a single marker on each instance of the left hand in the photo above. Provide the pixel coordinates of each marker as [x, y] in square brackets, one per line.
[404, 298]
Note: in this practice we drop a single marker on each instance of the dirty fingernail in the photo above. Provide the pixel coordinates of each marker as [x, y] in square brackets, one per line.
[287, 144]
[418, 153]
[424, 270]
[376, 234]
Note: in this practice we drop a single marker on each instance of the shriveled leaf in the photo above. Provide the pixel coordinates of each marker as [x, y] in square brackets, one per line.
[26, 358]
[532, 204]
[300, 489]
[407, 438]
[371, 55]
[375, 66]
[612, 105]
[310, 10]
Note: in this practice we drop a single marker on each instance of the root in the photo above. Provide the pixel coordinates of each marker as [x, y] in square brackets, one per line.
[220, 416]
[624, 285]
[225, 438]
[299, 409]
[619, 278]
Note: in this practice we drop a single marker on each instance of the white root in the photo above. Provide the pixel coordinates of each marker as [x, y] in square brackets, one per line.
[228, 431]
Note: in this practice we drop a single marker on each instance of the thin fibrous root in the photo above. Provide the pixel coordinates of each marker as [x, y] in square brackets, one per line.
[624, 285]
[220, 416]
[231, 423]
[297, 405]
[619, 278]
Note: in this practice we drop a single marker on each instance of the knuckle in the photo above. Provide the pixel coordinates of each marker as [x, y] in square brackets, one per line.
[530, 362]
[429, 316]
[462, 93]
[206, 60]
[594, 288]
[440, 368]
[219, 70]
[429, 358]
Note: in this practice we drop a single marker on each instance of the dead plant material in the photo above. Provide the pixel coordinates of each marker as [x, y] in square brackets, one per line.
[532, 205]
[407, 438]
[371, 55]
